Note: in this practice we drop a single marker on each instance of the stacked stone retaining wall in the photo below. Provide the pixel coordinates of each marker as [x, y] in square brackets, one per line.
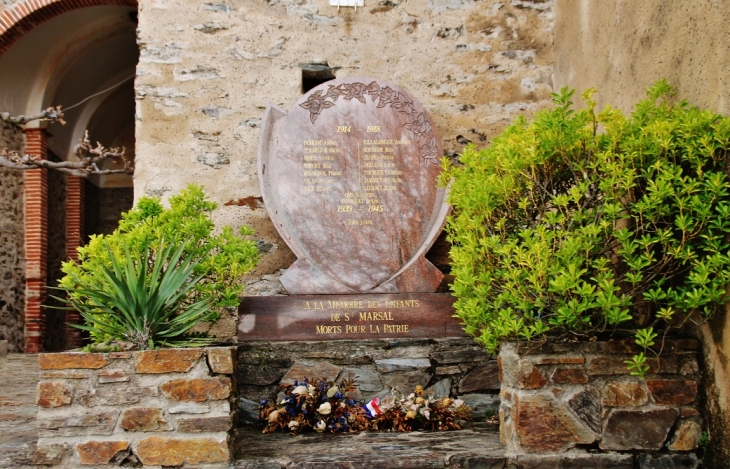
[169, 407]
[581, 395]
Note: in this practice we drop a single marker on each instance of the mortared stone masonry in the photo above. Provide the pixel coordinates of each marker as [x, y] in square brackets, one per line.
[563, 395]
[169, 407]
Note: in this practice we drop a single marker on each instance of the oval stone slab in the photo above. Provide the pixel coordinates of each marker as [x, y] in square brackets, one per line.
[348, 176]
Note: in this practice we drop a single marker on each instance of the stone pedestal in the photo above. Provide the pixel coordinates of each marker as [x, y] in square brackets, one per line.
[562, 395]
[454, 367]
[169, 407]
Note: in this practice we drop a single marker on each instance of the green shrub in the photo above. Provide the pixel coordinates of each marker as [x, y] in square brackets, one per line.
[577, 224]
[144, 299]
[221, 258]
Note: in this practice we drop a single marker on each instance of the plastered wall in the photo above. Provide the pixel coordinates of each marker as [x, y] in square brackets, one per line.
[208, 70]
[622, 47]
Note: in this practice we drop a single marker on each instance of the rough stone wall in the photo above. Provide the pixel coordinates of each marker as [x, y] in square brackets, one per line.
[170, 407]
[208, 69]
[566, 395]
[55, 333]
[623, 47]
[12, 260]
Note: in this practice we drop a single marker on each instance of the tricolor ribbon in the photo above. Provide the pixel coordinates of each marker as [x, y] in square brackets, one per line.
[373, 407]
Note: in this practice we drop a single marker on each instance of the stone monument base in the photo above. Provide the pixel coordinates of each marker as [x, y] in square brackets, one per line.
[454, 366]
[383, 341]
[343, 317]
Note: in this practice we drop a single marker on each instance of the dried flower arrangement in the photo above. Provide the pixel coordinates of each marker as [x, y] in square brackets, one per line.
[323, 405]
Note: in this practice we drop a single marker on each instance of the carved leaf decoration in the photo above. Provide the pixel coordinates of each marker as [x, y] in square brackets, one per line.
[418, 125]
[314, 103]
[346, 89]
[430, 150]
[373, 90]
[385, 96]
[429, 162]
[358, 90]
[333, 92]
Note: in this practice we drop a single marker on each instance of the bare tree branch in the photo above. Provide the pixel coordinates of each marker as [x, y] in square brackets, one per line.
[90, 157]
[52, 114]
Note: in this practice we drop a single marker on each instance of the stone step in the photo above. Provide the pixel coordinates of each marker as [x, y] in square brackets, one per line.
[477, 446]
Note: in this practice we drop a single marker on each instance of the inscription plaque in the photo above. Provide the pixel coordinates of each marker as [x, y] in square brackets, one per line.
[340, 317]
[348, 176]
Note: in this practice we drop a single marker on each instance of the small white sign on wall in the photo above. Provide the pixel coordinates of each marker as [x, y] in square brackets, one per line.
[347, 3]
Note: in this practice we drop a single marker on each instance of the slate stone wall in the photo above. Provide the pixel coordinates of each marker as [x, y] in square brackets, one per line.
[155, 408]
[454, 367]
[12, 248]
[567, 395]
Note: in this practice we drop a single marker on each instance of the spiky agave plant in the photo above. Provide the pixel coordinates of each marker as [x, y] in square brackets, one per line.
[141, 299]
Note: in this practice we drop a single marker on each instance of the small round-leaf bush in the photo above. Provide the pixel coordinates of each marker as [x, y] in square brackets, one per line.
[580, 224]
[154, 238]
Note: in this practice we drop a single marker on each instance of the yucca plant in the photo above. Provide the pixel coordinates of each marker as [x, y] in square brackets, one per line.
[222, 256]
[141, 299]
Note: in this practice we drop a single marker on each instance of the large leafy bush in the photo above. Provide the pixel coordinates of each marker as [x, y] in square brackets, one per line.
[577, 224]
[218, 258]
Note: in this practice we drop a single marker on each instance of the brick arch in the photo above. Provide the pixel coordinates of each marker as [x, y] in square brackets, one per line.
[25, 15]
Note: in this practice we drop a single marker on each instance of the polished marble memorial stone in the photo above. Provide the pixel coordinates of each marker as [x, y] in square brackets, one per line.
[348, 176]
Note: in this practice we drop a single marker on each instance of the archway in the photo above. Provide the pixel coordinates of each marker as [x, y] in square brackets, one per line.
[83, 58]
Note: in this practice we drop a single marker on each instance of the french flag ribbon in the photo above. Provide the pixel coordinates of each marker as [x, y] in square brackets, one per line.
[374, 407]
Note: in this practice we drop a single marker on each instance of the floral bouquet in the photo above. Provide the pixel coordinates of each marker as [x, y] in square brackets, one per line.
[421, 412]
[322, 405]
[318, 404]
